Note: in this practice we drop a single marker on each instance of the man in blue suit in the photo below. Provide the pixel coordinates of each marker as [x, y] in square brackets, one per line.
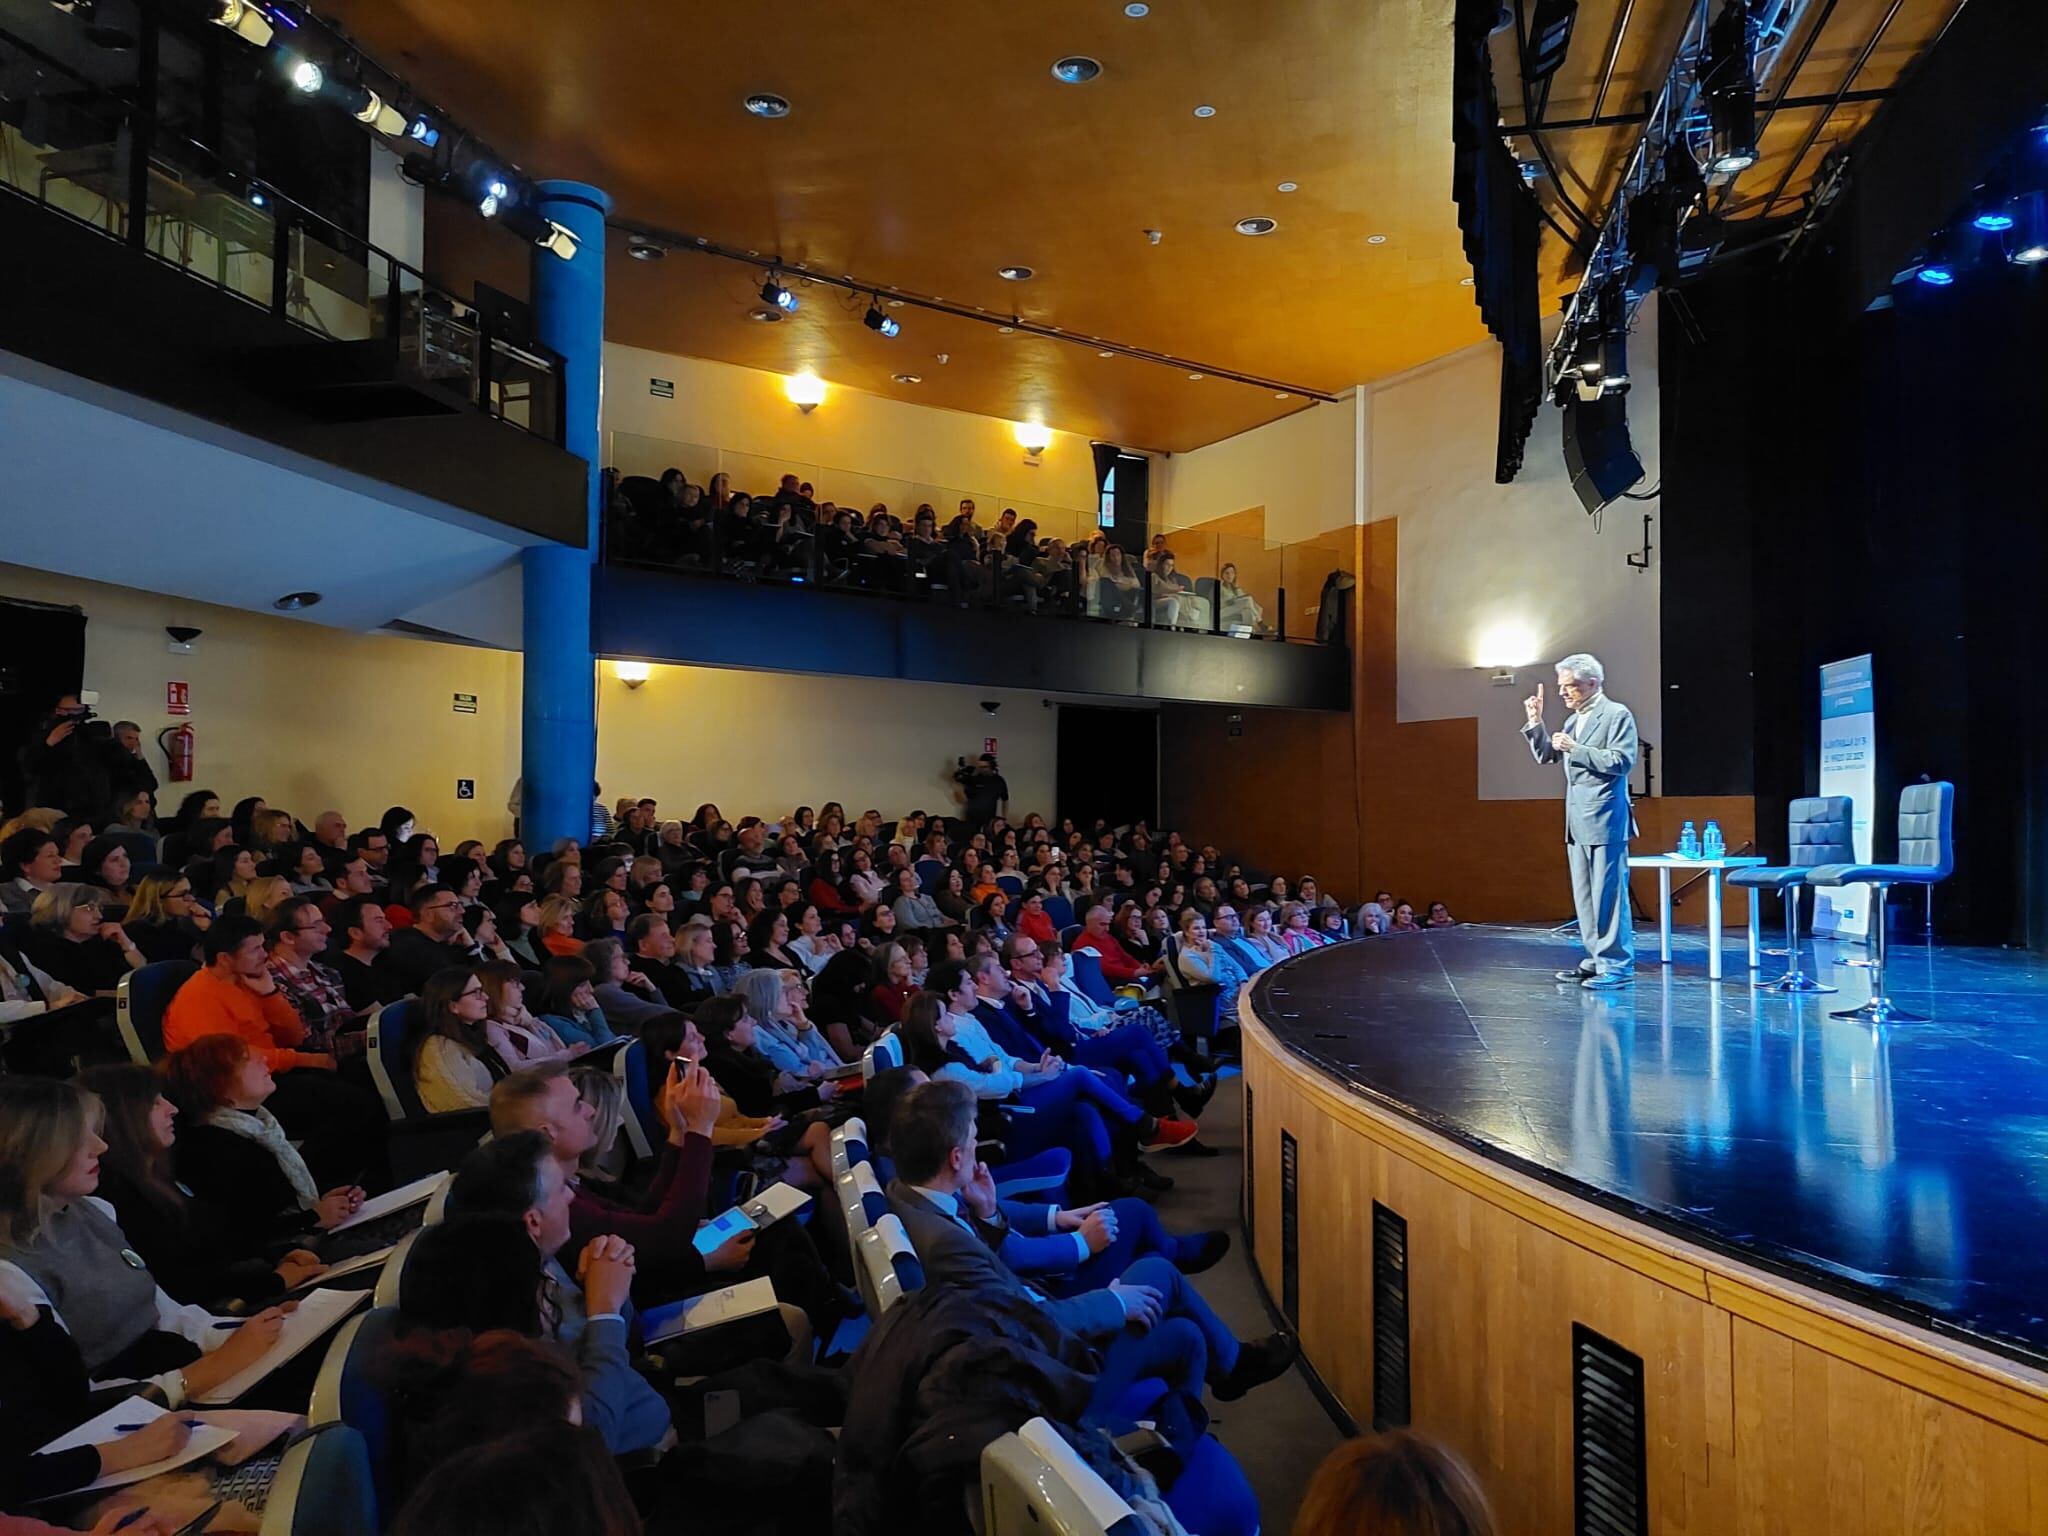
[1151, 1322]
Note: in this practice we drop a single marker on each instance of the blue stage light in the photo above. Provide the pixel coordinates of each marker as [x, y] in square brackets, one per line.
[1993, 220]
[424, 131]
[772, 292]
[1936, 274]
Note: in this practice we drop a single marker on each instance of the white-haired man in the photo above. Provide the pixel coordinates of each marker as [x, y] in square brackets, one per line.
[1598, 749]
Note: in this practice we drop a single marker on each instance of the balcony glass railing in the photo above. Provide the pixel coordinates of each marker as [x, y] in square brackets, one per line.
[89, 154]
[1220, 583]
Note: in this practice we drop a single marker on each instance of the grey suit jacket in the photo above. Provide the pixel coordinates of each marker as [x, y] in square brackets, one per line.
[951, 1255]
[1595, 771]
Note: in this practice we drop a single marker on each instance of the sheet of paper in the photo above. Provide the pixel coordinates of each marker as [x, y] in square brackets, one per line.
[747, 1299]
[774, 1203]
[317, 1312]
[204, 1441]
[714, 1233]
[362, 1261]
[418, 1191]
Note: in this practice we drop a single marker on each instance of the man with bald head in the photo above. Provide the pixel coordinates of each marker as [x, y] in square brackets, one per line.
[1597, 746]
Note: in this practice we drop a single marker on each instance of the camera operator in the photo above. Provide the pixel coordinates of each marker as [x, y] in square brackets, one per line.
[69, 761]
[983, 788]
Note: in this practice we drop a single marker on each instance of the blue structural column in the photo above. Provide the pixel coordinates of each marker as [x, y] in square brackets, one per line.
[558, 720]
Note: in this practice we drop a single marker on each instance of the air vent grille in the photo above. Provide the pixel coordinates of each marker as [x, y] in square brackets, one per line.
[1290, 1229]
[1609, 1476]
[1389, 1319]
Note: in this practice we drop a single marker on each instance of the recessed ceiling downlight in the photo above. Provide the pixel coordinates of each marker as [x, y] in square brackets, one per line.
[1256, 226]
[768, 104]
[1287, 186]
[1076, 69]
[643, 249]
[907, 378]
[1016, 274]
[1137, 9]
[765, 315]
[1205, 110]
[291, 602]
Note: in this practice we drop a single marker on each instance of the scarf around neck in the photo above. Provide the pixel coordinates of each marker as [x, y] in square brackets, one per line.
[261, 1126]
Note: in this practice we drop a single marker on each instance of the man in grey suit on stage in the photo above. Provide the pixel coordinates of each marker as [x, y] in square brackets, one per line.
[1598, 749]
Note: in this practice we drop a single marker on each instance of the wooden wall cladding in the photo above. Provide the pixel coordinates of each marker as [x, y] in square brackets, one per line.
[1771, 1409]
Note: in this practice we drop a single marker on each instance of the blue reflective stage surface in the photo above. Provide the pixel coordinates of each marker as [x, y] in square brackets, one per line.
[1906, 1167]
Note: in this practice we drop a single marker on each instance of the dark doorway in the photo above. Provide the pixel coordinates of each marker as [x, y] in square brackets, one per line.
[42, 656]
[1108, 765]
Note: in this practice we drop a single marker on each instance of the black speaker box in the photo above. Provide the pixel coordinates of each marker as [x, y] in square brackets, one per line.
[1596, 450]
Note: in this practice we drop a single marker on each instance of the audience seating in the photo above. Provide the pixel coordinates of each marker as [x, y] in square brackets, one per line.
[639, 1123]
[886, 1052]
[141, 1002]
[391, 1278]
[1061, 911]
[325, 1486]
[347, 1392]
[1087, 970]
[849, 1146]
[421, 1143]
[889, 1265]
[1033, 1481]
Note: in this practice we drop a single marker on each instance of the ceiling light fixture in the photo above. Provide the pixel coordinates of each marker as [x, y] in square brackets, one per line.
[1728, 81]
[1281, 394]
[1105, 354]
[640, 248]
[773, 293]
[907, 378]
[1034, 437]
[495, 195]
[765, 316]
[1137, 9]
[879, 319]
[304, 74]
[1076, 69]
[1287, 186]
[1205, 110]
[1256, 226]
[292, 602]
[767, 104]
[1016, 274]
[2027, 245]
[560, 240]
[1195, 377]
[368, 108]
[1005, 330]
[1375, 239]
[633, 674]
[423, 131]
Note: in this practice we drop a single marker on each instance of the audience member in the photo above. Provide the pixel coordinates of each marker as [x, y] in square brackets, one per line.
[435, 940]
[71, 939]
[1400, 1483]
[165, 921]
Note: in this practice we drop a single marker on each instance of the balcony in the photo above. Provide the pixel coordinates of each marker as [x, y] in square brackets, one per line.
[166, 271]
[1226, 621]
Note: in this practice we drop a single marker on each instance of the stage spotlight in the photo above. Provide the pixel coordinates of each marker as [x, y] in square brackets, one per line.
[1550, 37]
[879, 319]
[560, 241]
[1936, 274]
[367, 107]
[1728, 81]
[496, 194]
[772, 292]
[2026, 243]
[1700, 239]
[305, 74]
[424, 132]
[1991, 210]
[245, 20]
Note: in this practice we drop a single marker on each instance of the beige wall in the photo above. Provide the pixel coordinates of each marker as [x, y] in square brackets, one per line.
[1303, 469]
[763, 743]
[856, 448]
[310, 718]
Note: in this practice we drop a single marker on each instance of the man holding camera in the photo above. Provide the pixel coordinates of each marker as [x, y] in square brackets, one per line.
[983, 788]
[68, 762]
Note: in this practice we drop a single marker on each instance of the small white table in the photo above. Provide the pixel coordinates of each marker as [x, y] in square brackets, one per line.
[1664, 863]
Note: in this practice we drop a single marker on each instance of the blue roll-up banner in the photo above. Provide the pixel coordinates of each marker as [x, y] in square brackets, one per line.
[1848, 766]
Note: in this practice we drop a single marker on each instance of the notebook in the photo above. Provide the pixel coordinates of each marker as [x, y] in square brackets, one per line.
[205, 1440]
[317, 1312]
[749, 1298]
[392, 1200]
[362, 1261]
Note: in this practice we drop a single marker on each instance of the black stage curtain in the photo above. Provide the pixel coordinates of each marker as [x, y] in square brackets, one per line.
[1498, 216]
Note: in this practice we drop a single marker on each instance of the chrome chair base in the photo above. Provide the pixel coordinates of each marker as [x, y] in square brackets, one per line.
[1879, 1010]
[1796, 980]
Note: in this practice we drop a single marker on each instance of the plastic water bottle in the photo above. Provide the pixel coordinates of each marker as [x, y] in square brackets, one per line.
[1715, 848]
[1688, 842]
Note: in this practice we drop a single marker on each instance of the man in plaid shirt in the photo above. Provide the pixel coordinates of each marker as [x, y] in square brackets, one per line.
[298, 936]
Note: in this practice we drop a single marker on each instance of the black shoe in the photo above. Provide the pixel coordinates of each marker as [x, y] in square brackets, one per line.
[1147, 1178]
[1573, 976]
[1194, 1099]
[1194, 1060]
[1195, 1148]
[1213, 1247]
[1256, 1365]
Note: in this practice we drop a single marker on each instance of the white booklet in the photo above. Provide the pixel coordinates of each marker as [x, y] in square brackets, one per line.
[749, 1298]
[317, 1312]
[416, 1193]
[362, 1261]
[764, 1210]
[132, 1414]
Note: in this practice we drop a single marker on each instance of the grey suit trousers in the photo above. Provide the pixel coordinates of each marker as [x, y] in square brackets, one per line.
[1600, 893]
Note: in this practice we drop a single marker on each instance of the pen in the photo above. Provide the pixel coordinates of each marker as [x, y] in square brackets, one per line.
[232, 1322]
[131, 1517]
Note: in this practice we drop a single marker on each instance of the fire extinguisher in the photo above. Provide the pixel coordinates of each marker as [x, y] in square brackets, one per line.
[178, 744]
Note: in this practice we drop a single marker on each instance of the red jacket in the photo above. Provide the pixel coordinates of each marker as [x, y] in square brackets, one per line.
[1037, 926]
[1117, 965]
[206, 1005]
[663, 1227]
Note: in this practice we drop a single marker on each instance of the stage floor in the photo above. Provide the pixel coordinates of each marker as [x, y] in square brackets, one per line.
[1904, 1167]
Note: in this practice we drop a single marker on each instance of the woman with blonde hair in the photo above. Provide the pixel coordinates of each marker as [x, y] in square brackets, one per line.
[265, 894]
[1396, 1484]
[70, 938]
[557, 926]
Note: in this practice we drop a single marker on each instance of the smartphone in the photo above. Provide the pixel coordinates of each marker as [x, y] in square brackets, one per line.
[721, 1412]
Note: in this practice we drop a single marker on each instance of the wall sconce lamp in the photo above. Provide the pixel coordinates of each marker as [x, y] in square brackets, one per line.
[806, 391]
[632, 673]
[1033, 437]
